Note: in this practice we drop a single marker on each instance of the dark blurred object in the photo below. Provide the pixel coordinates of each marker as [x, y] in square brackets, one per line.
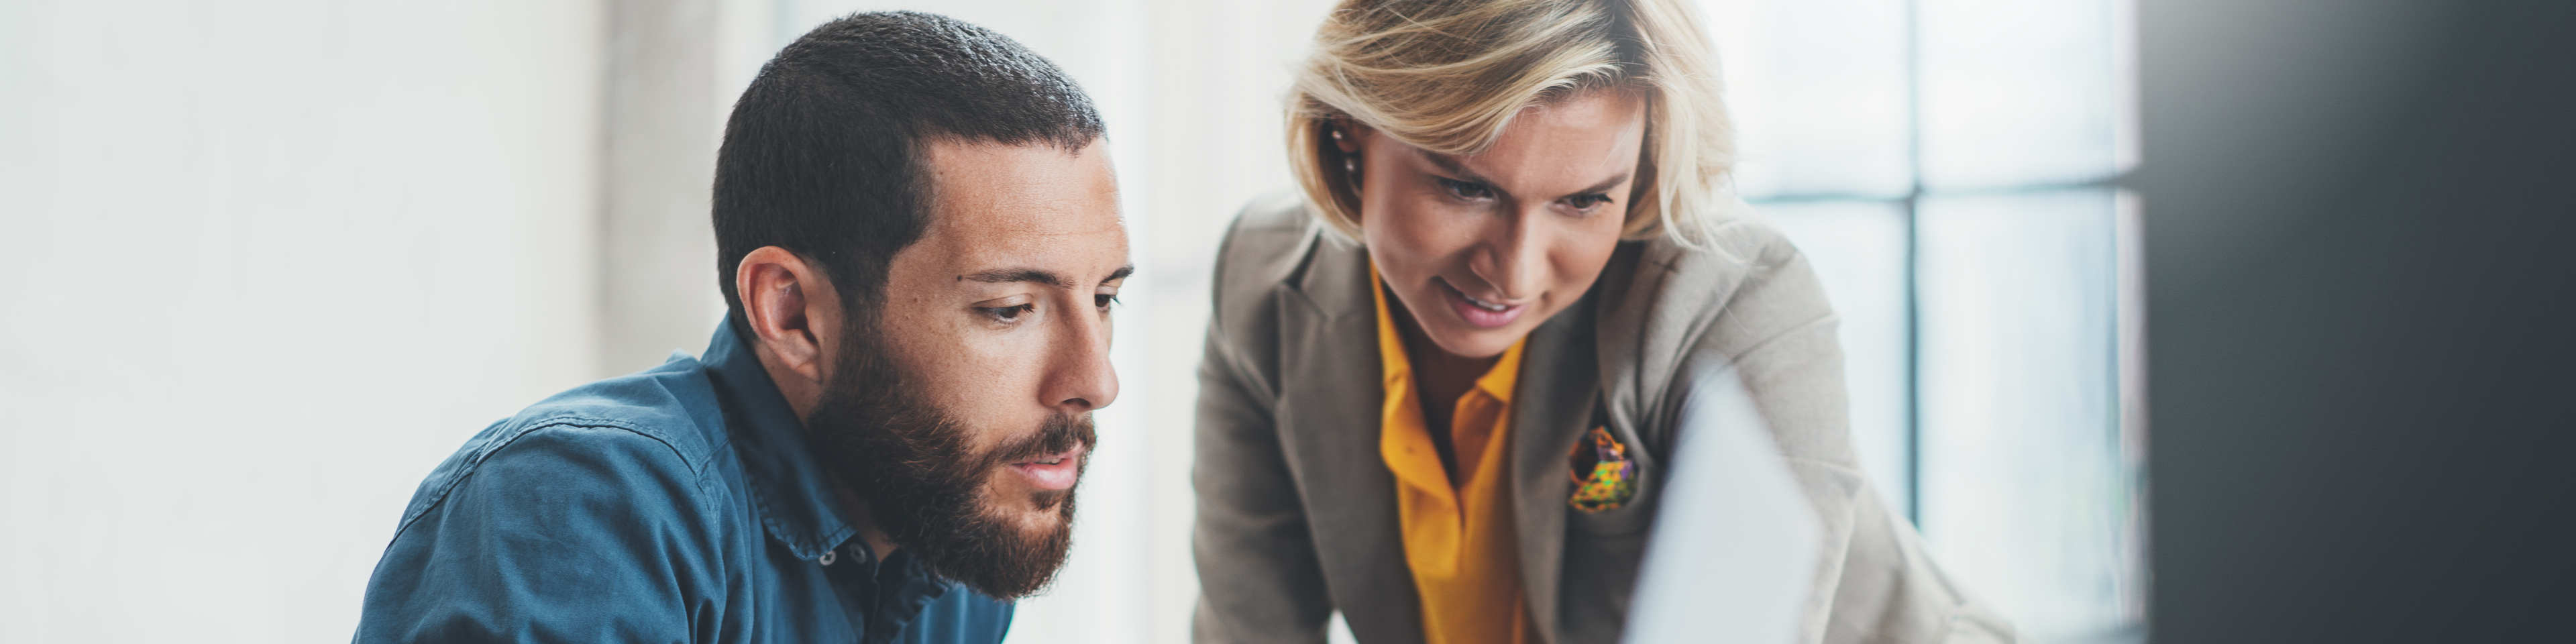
[2361, 256]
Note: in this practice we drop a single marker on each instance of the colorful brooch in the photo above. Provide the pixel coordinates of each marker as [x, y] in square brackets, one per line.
[1604, 477]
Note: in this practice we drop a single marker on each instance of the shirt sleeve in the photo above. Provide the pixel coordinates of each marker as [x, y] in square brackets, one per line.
[566, 533]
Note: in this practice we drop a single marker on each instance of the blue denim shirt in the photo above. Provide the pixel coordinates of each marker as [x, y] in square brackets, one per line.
[679, 504]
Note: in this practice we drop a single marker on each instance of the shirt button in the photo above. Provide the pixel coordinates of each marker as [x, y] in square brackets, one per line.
[828, 557]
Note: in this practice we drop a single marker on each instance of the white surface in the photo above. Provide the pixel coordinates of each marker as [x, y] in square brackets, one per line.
[1733, 552]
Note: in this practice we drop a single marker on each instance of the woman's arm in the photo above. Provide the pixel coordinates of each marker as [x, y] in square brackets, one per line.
[1259, 578]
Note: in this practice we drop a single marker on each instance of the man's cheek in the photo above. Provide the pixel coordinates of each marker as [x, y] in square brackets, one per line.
[1006, 498]
[999, 410]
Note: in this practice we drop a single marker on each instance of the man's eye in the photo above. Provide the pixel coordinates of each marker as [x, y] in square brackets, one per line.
[1103, 300]
[1464, 190]
[1009, 313]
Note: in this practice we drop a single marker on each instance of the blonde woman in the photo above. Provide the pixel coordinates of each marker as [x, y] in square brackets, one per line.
[1439, 384]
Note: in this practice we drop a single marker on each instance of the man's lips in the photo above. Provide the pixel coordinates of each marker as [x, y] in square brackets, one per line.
[1053, 471]
[1481, 313]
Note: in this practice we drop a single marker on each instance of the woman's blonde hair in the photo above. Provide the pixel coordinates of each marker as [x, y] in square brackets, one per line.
[1449, 75]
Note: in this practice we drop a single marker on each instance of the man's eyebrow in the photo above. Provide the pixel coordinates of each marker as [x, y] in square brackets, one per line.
[1007, 275]
[1039, 275]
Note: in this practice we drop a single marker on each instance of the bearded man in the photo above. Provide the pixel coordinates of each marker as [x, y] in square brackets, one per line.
[919, 240]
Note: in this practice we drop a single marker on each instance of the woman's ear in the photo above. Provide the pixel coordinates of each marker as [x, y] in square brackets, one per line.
[795, 314]
[1345, 134]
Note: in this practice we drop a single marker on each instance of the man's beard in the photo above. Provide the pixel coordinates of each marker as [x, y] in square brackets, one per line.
[928, 489]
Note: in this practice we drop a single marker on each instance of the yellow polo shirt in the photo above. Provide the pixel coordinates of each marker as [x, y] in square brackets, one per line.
[1466, 564]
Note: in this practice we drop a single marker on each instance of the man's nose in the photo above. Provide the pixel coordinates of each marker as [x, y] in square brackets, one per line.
[1080, 378]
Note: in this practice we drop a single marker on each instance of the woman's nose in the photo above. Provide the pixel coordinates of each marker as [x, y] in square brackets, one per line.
[1514, 256]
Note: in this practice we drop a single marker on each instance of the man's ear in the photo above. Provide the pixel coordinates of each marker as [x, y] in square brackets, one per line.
[794, 311]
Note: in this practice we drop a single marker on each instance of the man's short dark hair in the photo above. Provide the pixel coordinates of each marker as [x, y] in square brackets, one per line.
[823, 156]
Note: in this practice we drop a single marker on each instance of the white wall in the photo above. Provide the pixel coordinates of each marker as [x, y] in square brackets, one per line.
[262, 265]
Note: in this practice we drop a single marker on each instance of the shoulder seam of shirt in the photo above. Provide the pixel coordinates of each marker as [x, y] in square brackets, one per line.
[697, 467]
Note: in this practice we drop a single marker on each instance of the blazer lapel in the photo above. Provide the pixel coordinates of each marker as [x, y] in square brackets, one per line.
[1550, 409]
[1328, 425]
[1625, 368]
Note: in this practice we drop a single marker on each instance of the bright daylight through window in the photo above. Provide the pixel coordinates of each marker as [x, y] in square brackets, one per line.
[1950, 167]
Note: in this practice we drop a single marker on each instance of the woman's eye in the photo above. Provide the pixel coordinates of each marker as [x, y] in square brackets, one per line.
[1009, 313]
[1464, 190]
[1587, 202]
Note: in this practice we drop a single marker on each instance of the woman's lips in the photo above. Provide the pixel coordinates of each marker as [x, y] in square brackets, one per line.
[1479, 313]
[1059, 474]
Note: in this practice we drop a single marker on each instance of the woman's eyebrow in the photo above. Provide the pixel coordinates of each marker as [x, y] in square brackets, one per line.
[1604, 185]
[1451, 166]
[1461, 173]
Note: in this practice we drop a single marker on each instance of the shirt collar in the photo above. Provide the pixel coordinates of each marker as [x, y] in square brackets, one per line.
[788, 482]
[1498, 381]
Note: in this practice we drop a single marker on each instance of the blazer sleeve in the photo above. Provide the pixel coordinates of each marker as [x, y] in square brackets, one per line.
[1259, 579]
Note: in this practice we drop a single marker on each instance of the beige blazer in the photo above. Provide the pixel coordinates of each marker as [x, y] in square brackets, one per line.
[1296, 509]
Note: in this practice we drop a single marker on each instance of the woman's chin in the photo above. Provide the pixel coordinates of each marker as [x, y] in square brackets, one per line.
[1468, 341]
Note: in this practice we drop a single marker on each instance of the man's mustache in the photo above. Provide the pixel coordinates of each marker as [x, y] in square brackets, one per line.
[1060, 433]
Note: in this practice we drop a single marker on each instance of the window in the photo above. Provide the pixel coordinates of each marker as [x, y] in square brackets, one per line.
[1950, 168]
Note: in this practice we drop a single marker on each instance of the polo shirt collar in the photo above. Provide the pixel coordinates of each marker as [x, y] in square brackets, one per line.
[789, 484]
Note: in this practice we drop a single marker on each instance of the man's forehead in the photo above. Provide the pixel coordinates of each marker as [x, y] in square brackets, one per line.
[997, 206]
[1038, 188]
[1037, 219]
